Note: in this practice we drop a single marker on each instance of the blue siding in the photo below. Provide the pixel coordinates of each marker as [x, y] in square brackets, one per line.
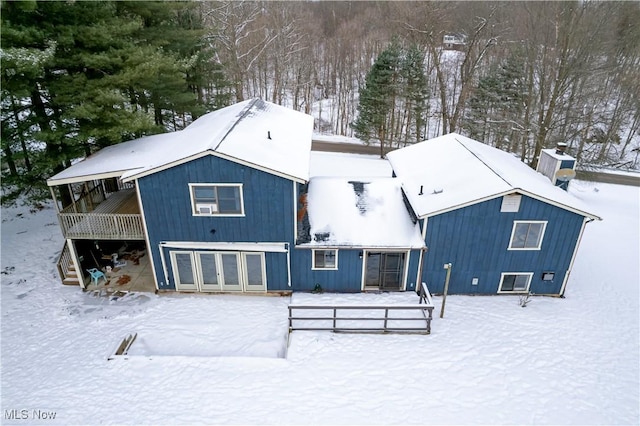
[475, 240]
[346, 279]
[268, 206]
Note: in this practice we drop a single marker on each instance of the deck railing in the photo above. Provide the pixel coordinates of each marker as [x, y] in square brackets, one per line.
[101, 226]
[64, 261]
[365, 318]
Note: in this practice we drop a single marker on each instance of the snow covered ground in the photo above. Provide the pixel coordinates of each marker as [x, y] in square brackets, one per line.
[223, 359]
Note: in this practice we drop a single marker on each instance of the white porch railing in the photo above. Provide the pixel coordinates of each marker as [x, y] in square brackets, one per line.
[101, 226]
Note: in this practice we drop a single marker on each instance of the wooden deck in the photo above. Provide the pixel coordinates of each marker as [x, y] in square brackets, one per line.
[121, 202]
[116, 218]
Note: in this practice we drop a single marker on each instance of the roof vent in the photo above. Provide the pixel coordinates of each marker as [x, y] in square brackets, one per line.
[561, 147]
[421, 187]
[269, 134]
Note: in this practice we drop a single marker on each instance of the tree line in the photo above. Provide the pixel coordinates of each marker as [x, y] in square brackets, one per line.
[78, 76]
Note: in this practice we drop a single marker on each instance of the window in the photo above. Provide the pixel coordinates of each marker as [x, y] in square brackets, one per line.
[515, 282]
[217, 199]
[325, 259]
[527, 235]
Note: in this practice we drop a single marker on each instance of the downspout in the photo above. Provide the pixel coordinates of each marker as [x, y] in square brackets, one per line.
[288, 265]
[573, 257]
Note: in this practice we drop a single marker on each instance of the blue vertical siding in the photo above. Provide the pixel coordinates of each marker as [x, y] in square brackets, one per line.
[268, 207]
[346, 279]
[475, 239]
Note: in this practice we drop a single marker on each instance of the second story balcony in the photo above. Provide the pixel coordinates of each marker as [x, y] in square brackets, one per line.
[102, 215]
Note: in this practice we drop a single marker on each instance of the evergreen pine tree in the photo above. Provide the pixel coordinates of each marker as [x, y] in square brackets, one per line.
[416, 93]
[78, 76]
[377, 97]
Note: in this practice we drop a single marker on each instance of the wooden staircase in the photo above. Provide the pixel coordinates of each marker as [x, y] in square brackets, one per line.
[71, 276]
[66, 268]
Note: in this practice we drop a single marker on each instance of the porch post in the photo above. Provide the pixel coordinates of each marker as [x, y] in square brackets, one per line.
[73, 198]
[55, 199]
[86, 188]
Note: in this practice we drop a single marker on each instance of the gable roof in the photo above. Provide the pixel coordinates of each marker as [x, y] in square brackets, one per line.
[359, 212]
[259, 134]
[453, 171]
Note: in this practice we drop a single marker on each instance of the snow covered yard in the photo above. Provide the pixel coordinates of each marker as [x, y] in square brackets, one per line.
[218, 359]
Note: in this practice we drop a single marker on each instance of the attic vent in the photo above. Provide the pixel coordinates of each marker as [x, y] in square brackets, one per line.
[511, 203]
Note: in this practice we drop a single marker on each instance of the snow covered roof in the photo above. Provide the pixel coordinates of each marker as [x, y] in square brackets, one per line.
[363, 212]
[453, 171]
[254, 132]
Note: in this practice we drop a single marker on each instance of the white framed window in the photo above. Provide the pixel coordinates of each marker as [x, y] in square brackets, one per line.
[515, 282]
[324, 259]
[216, 199]
[527, 235]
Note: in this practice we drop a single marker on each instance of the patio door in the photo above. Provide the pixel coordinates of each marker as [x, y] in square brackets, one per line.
[384, 271]
[184, 272]
[219, 271]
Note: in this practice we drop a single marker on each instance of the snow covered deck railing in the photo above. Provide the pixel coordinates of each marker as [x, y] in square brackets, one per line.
[362, 318]
[101, 226]
[425, 295]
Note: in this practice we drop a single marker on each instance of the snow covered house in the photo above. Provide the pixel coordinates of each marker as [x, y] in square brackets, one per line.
[501, 225]
[212, 207]
[227, 205]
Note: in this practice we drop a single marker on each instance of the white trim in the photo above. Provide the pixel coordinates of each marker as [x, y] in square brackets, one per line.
[573, 256]
[215, 154]
[164, 265]
[245, 272]
[541, 239]
[202, 287]
[176, 280]
[288, 265]
[309, 246]
[313, 260]
[84, 178]
[405, 273]
[511, 191]
[364, 270]
[195, 205]
[295, 211]
[146, 235]
[76, 263]
[424, 230]
[198, 245]
[418, 277]
[526, 290]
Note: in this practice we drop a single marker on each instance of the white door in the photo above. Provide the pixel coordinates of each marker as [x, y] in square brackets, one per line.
[219, 271]
[208, 274]
[183, 270]
[230, 271]
[255, 277]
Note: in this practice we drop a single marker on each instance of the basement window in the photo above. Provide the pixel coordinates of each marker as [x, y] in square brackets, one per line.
[325, 259]
[515, 282]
